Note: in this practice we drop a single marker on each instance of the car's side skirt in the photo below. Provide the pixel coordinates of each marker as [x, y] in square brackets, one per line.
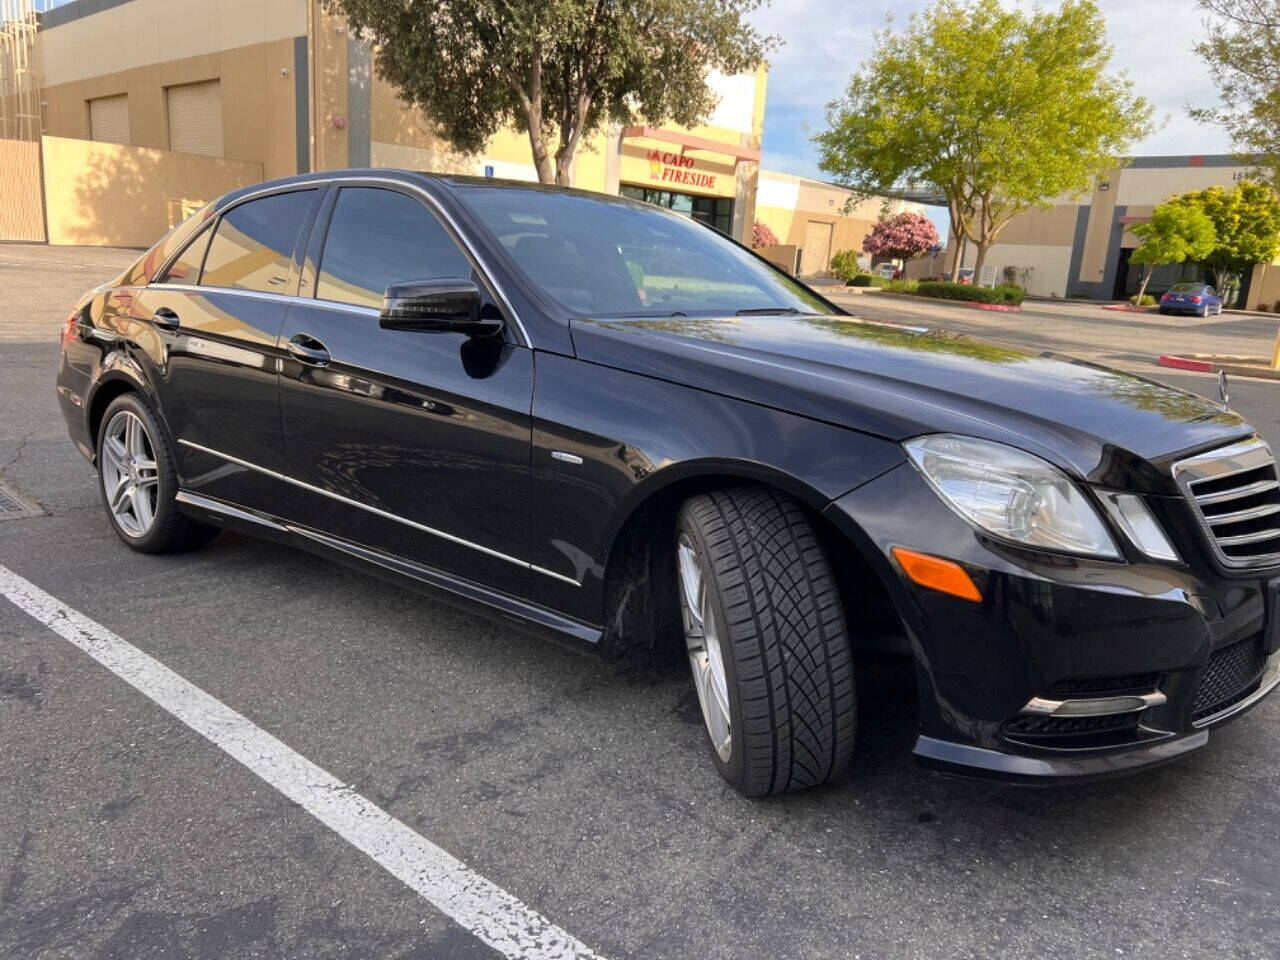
[466, 593]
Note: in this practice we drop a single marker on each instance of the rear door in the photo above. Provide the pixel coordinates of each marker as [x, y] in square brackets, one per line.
[219, 307]
[416, 444]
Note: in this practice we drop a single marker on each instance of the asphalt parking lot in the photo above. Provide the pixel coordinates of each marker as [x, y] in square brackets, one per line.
[579, 788]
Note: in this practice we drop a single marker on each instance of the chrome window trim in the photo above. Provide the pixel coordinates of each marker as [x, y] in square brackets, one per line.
[285, 478]
[276, 297]
[481, 263]
[1235, 458]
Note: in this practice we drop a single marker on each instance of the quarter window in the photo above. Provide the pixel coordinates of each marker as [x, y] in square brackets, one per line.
[378, 237]
[186, 267]
[254, 243]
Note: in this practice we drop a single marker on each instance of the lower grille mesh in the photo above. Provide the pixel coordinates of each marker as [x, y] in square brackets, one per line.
[1233, 673]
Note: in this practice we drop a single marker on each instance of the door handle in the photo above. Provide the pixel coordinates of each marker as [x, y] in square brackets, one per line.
[165, 318]
[309, 350]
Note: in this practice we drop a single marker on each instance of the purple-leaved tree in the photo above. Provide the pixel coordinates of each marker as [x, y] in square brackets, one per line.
[904, 237]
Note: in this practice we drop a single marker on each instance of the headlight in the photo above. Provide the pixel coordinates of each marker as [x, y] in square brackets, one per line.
[1011, 494]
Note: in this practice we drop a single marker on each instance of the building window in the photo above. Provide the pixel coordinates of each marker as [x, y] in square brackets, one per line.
[195, 118]
[109, 119]
[716, 211]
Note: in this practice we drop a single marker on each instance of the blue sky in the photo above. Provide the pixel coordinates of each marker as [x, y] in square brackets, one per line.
[825, 40]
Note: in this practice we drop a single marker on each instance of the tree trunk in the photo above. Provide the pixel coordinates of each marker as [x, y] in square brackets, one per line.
[977, 264]
[1147, 271]
[1275, 357]
[564, 165]
[541, 159]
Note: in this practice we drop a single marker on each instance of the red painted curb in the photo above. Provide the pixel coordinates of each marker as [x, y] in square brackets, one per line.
[1126, 308]
[998, 307]
[1182, 363]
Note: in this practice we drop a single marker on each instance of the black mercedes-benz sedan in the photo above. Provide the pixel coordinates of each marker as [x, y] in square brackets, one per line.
[615, 426]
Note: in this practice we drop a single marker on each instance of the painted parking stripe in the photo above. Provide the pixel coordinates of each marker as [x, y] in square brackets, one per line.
[484, 909]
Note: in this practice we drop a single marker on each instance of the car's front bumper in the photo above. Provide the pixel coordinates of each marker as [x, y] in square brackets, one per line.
[1051, 629]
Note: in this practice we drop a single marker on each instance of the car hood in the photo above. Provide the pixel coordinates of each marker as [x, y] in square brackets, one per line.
[898, 382]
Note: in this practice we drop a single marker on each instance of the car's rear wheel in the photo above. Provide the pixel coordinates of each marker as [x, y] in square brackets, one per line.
[138, 481]
[1204, 311]
[767, 640]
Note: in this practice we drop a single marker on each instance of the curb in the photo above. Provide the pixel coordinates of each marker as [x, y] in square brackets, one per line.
[1257, 367]
[1126, 308]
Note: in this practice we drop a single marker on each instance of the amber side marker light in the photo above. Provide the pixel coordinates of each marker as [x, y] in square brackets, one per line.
[937, 574]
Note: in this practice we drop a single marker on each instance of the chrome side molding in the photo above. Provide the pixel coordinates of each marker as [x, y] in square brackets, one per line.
[284, 478]
[1094, 706]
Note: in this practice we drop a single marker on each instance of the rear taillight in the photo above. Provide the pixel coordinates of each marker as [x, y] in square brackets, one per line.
[1197, 298]
[69, 328]
[1167, 296]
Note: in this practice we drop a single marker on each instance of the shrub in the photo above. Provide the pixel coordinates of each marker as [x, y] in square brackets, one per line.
[762, 236]
[1006, 293]
[902, 286]
[1147, 300]
[860, 280]
[844, 264]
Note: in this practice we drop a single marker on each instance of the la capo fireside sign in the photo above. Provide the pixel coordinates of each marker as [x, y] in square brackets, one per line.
[677, 168]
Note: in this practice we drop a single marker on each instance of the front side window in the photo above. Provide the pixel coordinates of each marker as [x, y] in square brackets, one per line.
[379, 237]
[601, 257]
[253, 246]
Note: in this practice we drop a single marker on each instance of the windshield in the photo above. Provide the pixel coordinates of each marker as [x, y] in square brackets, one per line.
[607, 257]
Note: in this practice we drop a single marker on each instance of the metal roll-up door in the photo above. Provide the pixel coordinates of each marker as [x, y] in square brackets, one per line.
[195, 118]
[109, 119]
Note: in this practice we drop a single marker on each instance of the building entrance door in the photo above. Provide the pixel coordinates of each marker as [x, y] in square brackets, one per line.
[817, 248]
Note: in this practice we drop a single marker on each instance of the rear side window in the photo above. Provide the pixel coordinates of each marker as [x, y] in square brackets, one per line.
[378, 237]
[186, 268]
[253, 246]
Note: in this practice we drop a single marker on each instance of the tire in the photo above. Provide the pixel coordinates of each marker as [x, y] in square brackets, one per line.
[1164, 312]
[784, 644]
[152, 522]
[1204, 312]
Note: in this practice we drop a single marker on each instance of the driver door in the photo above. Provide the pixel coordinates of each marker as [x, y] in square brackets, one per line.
[413, 443]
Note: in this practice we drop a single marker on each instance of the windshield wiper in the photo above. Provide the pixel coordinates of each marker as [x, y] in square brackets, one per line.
[765, 311]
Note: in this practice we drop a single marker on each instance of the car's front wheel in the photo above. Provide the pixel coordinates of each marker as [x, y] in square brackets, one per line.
[138, 481]
[766, 639]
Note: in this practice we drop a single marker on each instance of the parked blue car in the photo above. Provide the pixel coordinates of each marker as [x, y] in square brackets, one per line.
[1197, 298]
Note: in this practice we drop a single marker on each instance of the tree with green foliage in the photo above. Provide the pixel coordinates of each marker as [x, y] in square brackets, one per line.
[1242, 48]
[559, 70]
[999, 110]
[1246, 224]
[1175, 233]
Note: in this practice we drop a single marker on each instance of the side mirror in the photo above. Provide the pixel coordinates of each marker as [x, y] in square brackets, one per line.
[450, 304]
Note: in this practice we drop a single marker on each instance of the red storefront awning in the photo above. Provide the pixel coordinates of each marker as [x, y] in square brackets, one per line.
[693, 143]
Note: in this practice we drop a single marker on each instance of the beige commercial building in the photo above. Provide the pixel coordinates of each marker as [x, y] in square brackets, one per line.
[1080, 247]
[149, 106]
[818, 219]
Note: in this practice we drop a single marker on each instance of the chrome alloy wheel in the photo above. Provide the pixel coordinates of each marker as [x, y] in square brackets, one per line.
[130, 477]
[702, 638]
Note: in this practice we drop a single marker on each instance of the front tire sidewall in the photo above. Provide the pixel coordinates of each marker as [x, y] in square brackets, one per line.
[733, 768]
[154, 539]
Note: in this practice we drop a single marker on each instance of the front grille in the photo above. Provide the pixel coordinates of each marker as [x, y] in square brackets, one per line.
[1235, 494]
[1232, 675]
[1045, 726]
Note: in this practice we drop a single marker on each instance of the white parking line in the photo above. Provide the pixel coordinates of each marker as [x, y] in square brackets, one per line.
[482, 908]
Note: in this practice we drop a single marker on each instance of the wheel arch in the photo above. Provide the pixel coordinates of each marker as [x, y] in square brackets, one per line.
[639, 583]
[120, 375]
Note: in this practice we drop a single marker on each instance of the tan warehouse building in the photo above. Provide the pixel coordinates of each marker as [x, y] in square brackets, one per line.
[1080, 247]
[150, 107]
